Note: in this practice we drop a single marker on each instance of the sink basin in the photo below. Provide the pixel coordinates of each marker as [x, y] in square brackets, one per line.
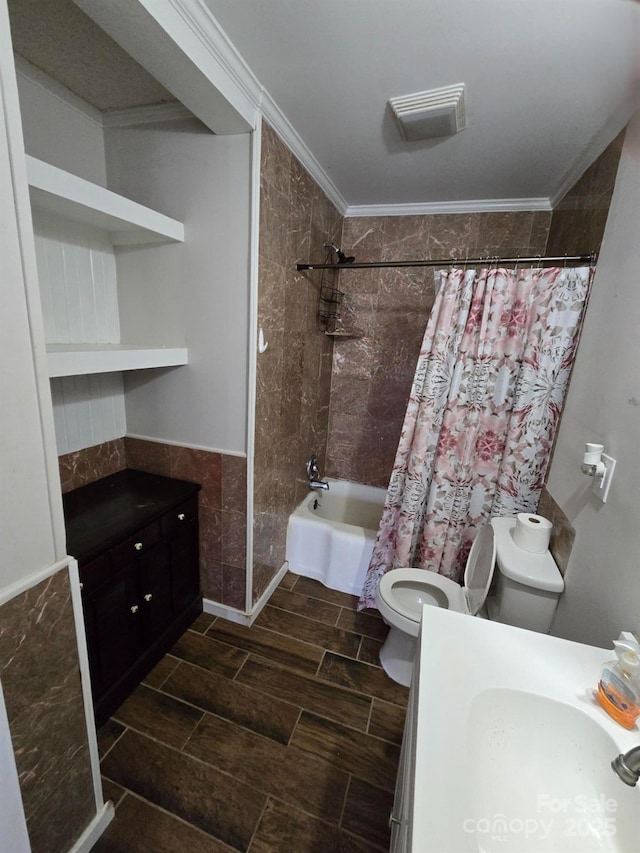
[511, 751]
[541, 779]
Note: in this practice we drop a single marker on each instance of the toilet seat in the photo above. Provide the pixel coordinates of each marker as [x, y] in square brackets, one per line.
[409, 589]
[402, 592]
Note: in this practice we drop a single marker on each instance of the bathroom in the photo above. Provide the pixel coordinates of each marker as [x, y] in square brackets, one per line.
[353, 388]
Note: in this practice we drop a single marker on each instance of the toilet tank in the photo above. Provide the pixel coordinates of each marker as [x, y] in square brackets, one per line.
[527, 586]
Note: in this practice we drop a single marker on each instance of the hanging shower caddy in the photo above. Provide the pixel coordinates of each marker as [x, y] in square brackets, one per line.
[331, 305]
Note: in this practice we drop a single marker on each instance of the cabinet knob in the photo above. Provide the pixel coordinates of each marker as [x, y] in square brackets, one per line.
[181, 516]
[134, 608]
[138, 546]
[148, 597]
[81, 585]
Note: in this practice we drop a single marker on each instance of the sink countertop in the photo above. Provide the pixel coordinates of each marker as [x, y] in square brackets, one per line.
[461, 657]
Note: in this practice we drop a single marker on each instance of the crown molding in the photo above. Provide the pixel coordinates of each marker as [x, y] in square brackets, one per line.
[202, 22]
[595, 148]
[294, 142]
[57, 90]
[171, 111]
[489, 205]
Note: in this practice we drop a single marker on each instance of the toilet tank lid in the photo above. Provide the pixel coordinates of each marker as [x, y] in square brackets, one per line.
[538, 571]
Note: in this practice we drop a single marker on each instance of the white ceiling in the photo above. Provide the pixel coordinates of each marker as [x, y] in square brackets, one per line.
[59, 39]
[548, 84]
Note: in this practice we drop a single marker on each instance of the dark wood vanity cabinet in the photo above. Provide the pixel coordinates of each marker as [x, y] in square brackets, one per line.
[135, 537]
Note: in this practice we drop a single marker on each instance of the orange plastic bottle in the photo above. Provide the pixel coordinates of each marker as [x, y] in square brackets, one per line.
[619, 685]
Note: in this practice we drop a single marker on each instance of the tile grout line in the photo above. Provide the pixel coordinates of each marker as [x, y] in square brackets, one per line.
[369, 719]
[205, 711]
[102, 757]
[355, 689]
[349, 728]
[257, 826]
[180, 819]
[327, 600]
[225, 642]
[295, 726]
[190, 756]
[237, 672]
[308, 619]
[277, 633]
[177, 662]
[191, 734]
[344, 801]
[319, 667]
[303, 615]
[124, 793]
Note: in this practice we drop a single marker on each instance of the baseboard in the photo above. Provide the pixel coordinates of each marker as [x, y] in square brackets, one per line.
[238, 616]
[95, 829]
[266, 595]
[226, 612]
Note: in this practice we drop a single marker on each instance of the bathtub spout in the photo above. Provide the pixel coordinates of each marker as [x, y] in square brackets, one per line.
[313, 475]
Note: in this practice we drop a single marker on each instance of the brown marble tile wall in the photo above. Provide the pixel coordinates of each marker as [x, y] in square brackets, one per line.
[294, 374]
[39, 671]
[578, 221]
[372, 374]
[90, 464]
[563, 533]
[222, 509]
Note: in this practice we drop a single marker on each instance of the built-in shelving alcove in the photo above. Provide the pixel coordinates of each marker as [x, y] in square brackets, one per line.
[140, 211]
[57, 193]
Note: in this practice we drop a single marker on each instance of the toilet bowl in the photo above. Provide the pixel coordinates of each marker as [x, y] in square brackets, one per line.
[526, 593]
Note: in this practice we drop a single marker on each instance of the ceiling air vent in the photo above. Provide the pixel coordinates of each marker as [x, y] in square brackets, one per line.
[426, 115]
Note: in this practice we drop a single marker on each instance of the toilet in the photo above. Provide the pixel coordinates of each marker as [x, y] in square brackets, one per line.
[525, 593]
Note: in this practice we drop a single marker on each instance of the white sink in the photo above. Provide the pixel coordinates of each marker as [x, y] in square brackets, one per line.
[512, 751]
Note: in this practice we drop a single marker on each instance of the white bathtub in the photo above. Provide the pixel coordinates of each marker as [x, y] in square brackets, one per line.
[331, 534]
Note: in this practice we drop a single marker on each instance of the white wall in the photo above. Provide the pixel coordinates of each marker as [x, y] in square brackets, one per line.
[88, 410]
[78, 287]
[602, 593]
[26, 533]
[76, 263]
[195, 293]
[59, 127]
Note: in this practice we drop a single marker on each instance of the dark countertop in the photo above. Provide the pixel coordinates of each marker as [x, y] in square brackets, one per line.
[100, 515]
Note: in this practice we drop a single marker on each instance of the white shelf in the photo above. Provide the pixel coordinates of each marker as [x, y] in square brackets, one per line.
[77, 359]
[56, 191]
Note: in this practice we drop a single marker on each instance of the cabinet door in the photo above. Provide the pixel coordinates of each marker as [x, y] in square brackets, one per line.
[185, 572]
[111, 620]
[154, 578]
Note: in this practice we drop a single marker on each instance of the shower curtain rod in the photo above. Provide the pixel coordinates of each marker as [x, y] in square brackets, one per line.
[447, 262]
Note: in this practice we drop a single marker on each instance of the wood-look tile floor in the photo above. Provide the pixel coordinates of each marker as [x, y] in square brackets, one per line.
[279, 738]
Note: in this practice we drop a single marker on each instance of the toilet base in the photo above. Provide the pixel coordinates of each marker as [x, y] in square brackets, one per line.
[397, 655]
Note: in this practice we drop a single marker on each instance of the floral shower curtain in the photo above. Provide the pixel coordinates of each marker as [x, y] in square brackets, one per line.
[484, 406]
